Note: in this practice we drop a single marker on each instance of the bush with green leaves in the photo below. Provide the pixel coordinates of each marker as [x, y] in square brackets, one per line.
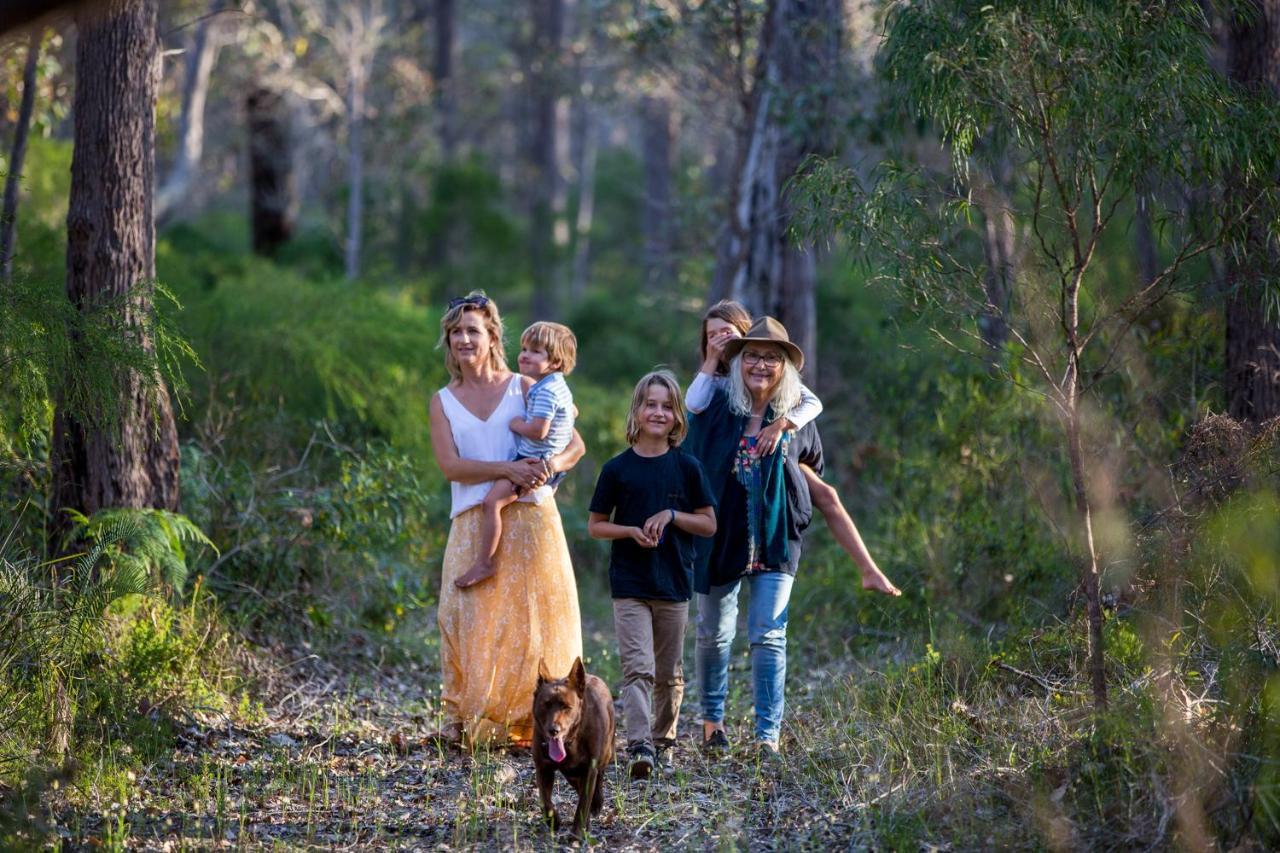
[341, 536]
[56, 625]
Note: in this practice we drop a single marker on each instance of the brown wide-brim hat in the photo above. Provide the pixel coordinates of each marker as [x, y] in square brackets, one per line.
[766, 330]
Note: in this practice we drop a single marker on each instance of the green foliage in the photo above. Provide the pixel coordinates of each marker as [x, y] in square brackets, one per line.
[294, 351]
[149, 542]
[54, 619]
[340, 536]
[159, 658]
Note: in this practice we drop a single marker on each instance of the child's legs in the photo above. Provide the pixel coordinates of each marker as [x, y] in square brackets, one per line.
[669, 620]
[767, 631]
[633, 623]
[717, 623]
[827, 501]
[501, 495]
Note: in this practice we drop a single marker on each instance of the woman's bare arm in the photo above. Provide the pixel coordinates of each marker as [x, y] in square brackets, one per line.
[567, 458]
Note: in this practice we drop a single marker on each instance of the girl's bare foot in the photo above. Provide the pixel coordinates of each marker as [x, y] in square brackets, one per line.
[477, 573]
[874, 580]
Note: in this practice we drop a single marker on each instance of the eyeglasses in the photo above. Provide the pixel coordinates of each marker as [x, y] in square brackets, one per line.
[477, 301]
[770, 360]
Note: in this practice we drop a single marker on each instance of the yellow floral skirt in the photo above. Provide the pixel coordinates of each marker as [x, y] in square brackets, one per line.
[493, 634]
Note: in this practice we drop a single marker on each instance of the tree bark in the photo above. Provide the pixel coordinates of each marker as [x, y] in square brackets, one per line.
[1091, 580]
[202, 53]
[1252, 380]
[657, 140]
[544, 178]
[111, 262]
[272, 186]
[356, 77]
[444, 62]
[998, 247]
[757, 261]
[586, 204]
[9, 218]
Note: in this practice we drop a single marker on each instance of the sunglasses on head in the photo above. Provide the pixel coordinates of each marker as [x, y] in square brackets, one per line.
[476, 301]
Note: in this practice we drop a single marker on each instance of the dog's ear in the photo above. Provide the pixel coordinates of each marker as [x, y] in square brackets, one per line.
[544, 675]
[578, 676]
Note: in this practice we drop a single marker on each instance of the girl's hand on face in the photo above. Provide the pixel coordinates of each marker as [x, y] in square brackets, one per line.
[716, 341]
[657, 524]
[643, 539]
[767, 440]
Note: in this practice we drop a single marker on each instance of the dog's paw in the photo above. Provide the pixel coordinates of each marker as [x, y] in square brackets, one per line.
[552, 820]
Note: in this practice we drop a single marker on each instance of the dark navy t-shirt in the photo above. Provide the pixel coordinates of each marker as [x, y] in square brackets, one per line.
[631, 488]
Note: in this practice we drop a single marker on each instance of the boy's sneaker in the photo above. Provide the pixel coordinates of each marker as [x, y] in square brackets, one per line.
[642, 759]
[717, 741]
[665, 748]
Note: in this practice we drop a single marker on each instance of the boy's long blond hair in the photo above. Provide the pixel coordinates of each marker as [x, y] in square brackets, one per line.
[492, 321]
[557, 339]
[666, 379]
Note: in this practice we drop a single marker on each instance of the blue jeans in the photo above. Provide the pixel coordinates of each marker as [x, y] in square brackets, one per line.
[767, 633]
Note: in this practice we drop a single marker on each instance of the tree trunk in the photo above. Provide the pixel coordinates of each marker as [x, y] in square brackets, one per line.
[110, 262]
[1144, 236]
[657, 139]
[544, 147]
[355, 161]
[202, 53]
[998, 247]
[444, 62]
[9, 218]
[1091, 578]
[586, 204]
[757, 262]
[272, 203]
[1252, 380]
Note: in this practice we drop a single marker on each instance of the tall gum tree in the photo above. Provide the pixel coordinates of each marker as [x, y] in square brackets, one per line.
[788, 119]
[1087, 101]
[131, 459]
[1252, 378]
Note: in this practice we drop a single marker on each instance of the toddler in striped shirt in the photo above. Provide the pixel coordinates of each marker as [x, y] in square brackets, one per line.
[548, 353]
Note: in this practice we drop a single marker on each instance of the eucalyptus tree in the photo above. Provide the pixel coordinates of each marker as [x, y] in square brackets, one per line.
[788, 119]
[1253, 294]
[1086, 99]
[8, 219]
[127, 457]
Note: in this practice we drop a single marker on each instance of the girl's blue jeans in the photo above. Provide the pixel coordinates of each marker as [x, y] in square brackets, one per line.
[767, 633]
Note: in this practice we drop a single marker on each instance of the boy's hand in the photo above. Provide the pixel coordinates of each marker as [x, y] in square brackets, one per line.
[515, 424]
[767, 440]
[657, 524]
[644, 540]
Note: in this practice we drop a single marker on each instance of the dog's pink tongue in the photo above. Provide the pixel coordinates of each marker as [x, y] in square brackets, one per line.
[555, 747]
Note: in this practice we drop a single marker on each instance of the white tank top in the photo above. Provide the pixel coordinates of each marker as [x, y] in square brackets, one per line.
[484, 441]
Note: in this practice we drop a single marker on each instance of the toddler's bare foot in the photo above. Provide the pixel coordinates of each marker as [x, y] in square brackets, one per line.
[477, 573]
[874, 579]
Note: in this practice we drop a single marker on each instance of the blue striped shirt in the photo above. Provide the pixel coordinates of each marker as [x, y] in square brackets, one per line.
[548, 398]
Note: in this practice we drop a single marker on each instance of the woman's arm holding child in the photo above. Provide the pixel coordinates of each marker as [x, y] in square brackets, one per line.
[805, 411]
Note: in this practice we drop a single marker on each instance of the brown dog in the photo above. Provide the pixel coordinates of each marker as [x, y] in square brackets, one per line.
[572, 733]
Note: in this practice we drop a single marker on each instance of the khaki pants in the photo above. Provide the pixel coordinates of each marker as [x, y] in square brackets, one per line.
[651, 649]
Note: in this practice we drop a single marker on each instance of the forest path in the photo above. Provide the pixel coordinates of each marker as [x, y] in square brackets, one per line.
[345, 761]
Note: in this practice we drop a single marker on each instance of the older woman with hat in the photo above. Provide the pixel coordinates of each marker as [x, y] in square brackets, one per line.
[764, 504]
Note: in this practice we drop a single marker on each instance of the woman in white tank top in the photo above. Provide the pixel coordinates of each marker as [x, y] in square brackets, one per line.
[493, 635]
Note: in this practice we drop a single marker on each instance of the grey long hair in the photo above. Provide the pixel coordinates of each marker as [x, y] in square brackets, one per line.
[786, 394]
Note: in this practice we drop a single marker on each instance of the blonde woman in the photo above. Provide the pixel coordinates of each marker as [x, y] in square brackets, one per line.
[493, 636]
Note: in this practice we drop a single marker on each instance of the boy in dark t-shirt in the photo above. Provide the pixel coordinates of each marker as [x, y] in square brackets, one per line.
[650, 500]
